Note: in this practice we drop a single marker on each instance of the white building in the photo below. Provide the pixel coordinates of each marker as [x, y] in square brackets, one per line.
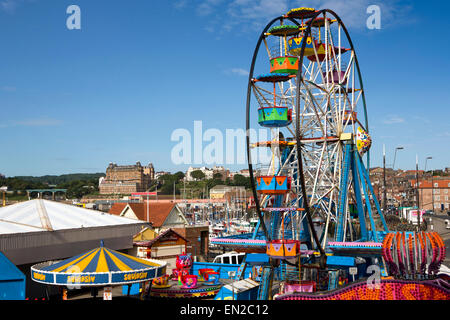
[208, 172]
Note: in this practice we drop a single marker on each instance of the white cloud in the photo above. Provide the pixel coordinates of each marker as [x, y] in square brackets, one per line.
[207, 7]
[393, 119]
[255, 14]
[444, 134]
[39, 122]
[9, 88]
[354, 12]
[9, 6]
[36, 122]
[181, 4]
[237, 71]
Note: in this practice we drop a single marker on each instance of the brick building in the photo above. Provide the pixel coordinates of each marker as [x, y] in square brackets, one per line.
[197, 237]
[434, 194]
[127, 179]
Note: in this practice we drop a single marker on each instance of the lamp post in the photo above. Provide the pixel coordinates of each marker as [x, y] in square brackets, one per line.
[384, 179]
[417, 193]
[393, 168]
[395, 156]
[432, 191]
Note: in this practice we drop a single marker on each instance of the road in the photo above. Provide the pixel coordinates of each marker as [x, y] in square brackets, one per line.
[438, 223]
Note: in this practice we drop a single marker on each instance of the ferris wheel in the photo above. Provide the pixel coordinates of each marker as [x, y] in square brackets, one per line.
[306, 85]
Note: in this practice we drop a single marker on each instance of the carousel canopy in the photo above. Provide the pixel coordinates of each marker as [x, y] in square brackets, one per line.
[98, 267]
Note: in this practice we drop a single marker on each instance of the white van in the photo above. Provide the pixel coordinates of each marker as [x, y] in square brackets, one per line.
[230, 258]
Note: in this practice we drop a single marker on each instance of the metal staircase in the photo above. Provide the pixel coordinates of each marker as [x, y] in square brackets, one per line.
[343, 193]
[266, 283]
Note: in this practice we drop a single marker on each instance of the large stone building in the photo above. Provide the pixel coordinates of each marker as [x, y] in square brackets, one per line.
[127, 179]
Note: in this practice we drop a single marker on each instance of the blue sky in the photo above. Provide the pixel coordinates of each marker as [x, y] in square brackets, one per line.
[114, 91]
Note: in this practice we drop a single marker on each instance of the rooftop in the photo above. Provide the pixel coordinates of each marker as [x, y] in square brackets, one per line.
[158, 211]
[46, 215]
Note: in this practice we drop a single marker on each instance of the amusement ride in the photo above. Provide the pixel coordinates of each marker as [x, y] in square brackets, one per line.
[321, 234]
[320, 222]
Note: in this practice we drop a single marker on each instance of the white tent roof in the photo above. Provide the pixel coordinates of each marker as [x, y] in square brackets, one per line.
[45, 215]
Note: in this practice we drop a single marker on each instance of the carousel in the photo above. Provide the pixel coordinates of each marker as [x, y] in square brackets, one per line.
[99, 267]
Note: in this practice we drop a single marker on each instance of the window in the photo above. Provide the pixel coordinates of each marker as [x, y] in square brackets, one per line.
[438, 198]
[226, 260]
[437, 191]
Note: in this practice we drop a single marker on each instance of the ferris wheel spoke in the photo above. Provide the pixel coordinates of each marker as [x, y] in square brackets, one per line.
[318, 111]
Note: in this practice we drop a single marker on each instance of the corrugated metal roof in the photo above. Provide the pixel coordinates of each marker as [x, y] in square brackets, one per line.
[44, 215]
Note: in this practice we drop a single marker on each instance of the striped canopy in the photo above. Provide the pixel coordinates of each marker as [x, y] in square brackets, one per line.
[100, 266]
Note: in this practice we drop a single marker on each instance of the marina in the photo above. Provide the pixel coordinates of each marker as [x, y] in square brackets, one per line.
[313, 220]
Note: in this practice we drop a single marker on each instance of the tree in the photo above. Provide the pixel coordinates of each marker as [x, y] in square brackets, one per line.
[217, 176]
[240, 180]
[179, 175]
[197, 175]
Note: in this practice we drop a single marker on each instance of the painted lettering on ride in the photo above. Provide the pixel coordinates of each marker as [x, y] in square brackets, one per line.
[81, 279]
[39, 276]
[135, 276]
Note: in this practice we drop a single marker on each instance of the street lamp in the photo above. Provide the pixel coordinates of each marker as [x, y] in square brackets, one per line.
[395, 156]
[393, 169]
[384, 179]
[427, 158]
[432, 191]
[417, 193]
[384, 174]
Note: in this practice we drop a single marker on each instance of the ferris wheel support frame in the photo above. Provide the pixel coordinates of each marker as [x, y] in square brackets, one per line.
[300, 79]
[307, 32]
